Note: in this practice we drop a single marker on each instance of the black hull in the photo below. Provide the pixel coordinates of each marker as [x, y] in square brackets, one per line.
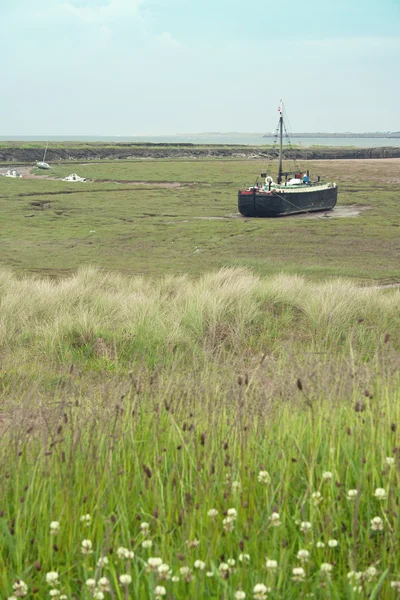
[259, 204]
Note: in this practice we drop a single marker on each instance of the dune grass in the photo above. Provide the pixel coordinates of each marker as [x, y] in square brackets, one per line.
[271, 402]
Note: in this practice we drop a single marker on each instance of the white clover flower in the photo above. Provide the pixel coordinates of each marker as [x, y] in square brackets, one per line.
[144, 527]
[380, 494]
[351, 494]
[159, 591]
[228, 523]
[54, 527]
[86, 547]
[199, 564]
[264, 477]
[244, 557]
[20, 588]
[174, 579]
[326, 568]
[125, 579]
[63, 597]
[231, 562]
[91, 583]
[54, 593]
[154, 563]
[239, 595]
[147, 544]
[102, 562]
[298, 574]
[371, 573]
[274, 520]
[327, 476]
[320, 545]
[389, 460]
[271, 565]
[52, 578]
[354, 576]
[86, 520]
[164, 571]
[212, 512]
[303, 555]
[333, 543]
[232, 512]
[223, 567]
[12, 598]
[316, 498]
[209, 574]
[98, 595]
[104, 584]
[260, 591]
[124, 553]
[395, 585]
[236, 486]
[305, 526]
[186, 573]
[376, 524]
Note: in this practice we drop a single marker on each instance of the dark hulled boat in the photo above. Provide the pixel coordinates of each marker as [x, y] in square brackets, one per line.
[286, 196]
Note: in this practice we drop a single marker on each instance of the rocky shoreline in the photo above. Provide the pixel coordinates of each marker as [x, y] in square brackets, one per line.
[94, 152]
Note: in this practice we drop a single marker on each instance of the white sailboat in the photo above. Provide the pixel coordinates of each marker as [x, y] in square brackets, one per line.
[41, 164]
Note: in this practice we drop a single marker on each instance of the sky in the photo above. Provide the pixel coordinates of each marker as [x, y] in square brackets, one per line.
[159, 67]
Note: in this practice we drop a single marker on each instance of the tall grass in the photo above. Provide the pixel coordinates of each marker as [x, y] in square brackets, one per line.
[273, 397]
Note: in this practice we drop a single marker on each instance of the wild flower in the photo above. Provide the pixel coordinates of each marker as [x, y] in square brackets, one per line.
[86, 520]
[86, 547]
[153, 563]
[395, 585]
[125, 579]
[159, 591]
[376, 524]
[351, 494]
[212, 512]
[370, 573]
[305, 526]
[144, 527]
[327, 476]
[231, 562]
[236, 486]
[380, 494]
[320, 545]
[146, 544]
[63, 597]
[274, 520]
[326, 569]
[264, 477]
[52, 578]
[209, 574]
[232, 513]
[164, 571]
[102, 562]
[223, 568]
[228, 523]
[186, 573]
[98, 595]
[271, 565]
[239, 595]
[124, 553]
[303, 555]
[193, 543]
[389, 460]
[298, 574]
[104, 584]
[54, 593]
[260, 591]
[54, 527]
[316, 498]
[20, 588]
[244, 557]
[199, 564]
[174, 579]
[333, 543]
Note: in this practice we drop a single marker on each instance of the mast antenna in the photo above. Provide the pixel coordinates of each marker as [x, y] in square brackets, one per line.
[280, 110]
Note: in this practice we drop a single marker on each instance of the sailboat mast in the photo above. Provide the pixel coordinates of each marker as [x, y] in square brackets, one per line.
[280, 141]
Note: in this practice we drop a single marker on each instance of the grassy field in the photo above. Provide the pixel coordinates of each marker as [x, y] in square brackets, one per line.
[208, 412]
[149, 229]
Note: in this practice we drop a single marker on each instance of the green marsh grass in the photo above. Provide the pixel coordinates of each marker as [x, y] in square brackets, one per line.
[137, 400]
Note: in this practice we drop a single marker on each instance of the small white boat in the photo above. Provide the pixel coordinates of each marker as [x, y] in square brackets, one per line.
[41, 164]
[13, 174]
[74, 177]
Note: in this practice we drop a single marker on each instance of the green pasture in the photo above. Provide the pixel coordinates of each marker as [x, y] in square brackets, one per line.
[145, 228]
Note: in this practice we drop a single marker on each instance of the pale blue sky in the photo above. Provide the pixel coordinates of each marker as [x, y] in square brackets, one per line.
[138, 67]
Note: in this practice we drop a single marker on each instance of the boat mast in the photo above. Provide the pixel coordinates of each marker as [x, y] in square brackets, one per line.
[280, 109]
